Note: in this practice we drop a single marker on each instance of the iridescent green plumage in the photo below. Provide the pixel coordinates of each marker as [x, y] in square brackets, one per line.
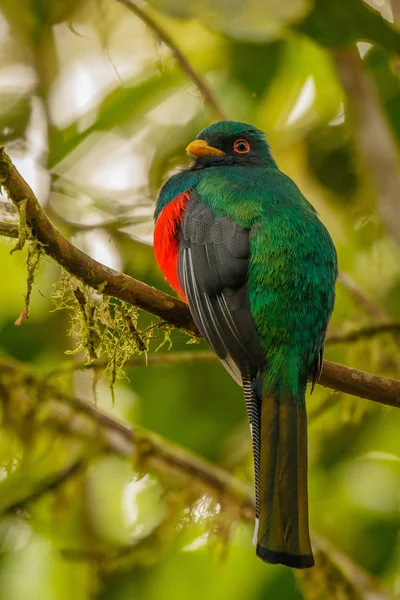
[259, 269]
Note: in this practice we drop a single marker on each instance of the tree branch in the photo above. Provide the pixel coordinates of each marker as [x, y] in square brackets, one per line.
[66, 412]
[337, 377]
[361, 384]
[174, 311]
[18, 491]
[201, 85]
[10, 230]
[80, 265]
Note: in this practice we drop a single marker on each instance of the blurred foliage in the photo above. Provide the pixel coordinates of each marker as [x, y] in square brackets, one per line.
[96, 113]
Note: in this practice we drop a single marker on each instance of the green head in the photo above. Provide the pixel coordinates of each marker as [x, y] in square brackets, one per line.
[230, 143]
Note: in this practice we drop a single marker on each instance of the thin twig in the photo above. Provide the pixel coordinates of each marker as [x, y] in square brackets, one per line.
[160, 359]
[361, 299]
[49, 483]
[362, 333]
[203, 88]
[368, 305]
[136, 336]
[110, 282]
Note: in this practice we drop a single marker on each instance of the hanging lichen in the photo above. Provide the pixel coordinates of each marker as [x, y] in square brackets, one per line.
[102, 326]
[167, 337]
[35, 253]
[35, 248]
[121, 337]
[23, 231]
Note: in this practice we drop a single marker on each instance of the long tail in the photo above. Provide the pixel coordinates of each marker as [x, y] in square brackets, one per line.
[279, 432]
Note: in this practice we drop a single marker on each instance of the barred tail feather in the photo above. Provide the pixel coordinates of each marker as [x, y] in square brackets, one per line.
[283, 535]
[252, 394]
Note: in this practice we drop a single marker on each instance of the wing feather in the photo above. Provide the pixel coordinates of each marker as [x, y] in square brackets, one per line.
[212, 269]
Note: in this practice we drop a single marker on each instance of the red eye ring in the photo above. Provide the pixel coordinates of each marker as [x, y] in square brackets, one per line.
[241, 146]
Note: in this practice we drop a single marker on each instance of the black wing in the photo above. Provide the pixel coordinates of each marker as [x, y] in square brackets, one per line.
[212, 267]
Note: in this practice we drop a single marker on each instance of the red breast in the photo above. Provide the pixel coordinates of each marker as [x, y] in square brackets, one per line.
[166, 243]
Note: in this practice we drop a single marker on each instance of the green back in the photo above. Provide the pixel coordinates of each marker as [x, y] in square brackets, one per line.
[292, 269]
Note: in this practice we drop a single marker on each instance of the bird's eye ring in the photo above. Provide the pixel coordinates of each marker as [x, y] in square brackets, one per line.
[241, 146]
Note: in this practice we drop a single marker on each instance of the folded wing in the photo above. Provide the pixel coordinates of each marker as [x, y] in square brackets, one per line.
[212, 268]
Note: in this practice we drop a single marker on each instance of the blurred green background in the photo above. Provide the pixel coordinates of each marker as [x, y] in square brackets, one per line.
[96, 113]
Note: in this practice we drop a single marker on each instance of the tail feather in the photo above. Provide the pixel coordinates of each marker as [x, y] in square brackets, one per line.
[252, 394]
[283, 535]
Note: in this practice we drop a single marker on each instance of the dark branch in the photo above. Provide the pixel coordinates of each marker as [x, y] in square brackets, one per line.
[36, 489]
[337, 377]
[83, 267]
[361, 384]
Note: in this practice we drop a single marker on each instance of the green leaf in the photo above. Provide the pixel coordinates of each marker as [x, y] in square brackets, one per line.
[14, 120]
[265, 59]
[29, 19]
[333, 146]
[338, 23]
[119, 107]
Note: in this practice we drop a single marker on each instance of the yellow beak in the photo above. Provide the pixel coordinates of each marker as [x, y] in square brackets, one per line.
[201, 148]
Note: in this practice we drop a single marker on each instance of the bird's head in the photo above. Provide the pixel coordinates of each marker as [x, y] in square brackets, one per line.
[230, 143]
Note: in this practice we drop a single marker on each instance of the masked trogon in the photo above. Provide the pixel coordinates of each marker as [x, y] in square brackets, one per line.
[237, 240]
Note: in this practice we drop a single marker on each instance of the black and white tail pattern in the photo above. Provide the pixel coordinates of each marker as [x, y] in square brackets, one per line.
[252, 396]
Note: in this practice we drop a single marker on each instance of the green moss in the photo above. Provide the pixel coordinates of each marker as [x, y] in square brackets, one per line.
[23, 231]
[35, 253]
[104, 327]
[167, 337]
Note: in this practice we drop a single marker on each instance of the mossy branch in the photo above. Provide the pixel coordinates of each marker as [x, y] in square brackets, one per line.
[82, 420]
[173, 311]
[83, 267]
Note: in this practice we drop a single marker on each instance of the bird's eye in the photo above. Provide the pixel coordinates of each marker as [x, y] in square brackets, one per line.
[241, 146]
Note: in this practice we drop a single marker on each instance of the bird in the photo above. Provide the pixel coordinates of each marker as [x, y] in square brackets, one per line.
[237, 240]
